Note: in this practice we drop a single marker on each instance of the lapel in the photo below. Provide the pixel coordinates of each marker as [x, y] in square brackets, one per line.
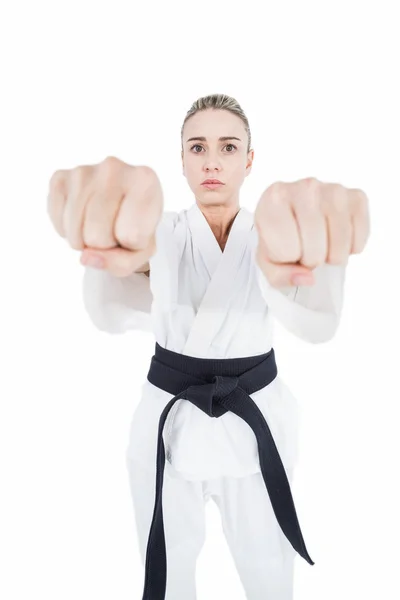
[222, 267]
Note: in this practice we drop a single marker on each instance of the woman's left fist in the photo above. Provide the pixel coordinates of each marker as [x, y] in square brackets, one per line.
[307, 223]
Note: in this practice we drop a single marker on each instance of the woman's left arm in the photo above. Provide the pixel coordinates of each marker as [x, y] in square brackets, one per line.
[308, 230]
[312, 313]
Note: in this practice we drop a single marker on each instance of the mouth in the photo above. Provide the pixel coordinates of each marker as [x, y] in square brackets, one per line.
[212, 183]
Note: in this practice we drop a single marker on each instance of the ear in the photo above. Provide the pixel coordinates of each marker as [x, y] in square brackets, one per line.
[250, 159]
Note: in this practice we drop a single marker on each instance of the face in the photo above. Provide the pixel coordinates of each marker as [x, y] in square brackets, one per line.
[210, 157]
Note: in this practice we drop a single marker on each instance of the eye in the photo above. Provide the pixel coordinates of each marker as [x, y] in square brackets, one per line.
[199, 146]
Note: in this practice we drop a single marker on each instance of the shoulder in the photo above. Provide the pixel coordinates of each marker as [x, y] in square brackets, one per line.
[172, 222]
[168, 220]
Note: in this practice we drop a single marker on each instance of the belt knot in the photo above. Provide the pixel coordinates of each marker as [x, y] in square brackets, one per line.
[207, 397]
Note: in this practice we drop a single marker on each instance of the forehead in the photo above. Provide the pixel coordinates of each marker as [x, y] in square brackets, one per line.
[213, 124]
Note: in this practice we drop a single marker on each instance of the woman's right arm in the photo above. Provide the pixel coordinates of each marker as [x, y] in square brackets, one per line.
[111, 212]
[119, 304]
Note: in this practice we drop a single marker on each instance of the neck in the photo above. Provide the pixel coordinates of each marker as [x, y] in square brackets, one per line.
[220, 220]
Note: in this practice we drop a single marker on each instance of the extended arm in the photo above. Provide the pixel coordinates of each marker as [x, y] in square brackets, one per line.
[308, 229]
[312, 313]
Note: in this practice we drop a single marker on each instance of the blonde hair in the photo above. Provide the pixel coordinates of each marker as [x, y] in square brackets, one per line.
[221, 102]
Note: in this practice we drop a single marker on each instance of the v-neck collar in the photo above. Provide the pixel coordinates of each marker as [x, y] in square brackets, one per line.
[205, 238]
[198, 219]
[222, 267]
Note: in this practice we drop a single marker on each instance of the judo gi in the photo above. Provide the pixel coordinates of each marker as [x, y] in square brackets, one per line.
[203, 302]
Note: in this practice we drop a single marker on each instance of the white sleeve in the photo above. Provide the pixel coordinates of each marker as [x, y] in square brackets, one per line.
[118, 304]
[312, 313]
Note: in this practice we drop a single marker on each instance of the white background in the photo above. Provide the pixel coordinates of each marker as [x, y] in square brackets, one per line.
[85, 80]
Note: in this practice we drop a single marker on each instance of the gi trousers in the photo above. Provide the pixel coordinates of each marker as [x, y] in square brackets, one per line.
[262, 555]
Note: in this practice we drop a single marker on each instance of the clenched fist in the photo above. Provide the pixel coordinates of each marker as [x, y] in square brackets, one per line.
[303, 224]
[109, 211]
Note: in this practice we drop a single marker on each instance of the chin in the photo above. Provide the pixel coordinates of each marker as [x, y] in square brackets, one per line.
[210, 198]
[211, 194]
[216, 192]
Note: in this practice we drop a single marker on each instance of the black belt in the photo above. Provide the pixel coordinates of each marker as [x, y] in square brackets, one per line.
[216, 386]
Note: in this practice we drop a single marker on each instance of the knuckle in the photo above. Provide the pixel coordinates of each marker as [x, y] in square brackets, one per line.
[76, 244]
[111, 162]
[336, 198]
[310, 182]
[359, 193]
[125, 239]
[358, 247]
[94, 237]
[338, 203]
[146, 176]
[57, 181]
[337, 258]
[79, 175]
[359, 197]
[313, 261]
[276, 185]
[147, 171]
[276, 193]
[109, 168]
[134, 238]
[306, 202]
[309, 192]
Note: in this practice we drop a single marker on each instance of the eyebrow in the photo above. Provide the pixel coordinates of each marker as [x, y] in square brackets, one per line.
[221, 139]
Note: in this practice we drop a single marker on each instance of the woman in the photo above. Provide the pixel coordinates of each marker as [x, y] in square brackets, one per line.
[208, 288]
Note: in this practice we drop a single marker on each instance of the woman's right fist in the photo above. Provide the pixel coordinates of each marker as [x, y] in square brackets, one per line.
[110, 210]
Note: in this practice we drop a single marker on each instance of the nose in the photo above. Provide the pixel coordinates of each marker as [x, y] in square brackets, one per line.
[212, 165]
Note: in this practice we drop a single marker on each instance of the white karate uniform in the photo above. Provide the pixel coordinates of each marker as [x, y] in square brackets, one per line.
[202, 302]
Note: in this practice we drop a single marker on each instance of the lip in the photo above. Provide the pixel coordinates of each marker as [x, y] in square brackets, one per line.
[212, 186]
